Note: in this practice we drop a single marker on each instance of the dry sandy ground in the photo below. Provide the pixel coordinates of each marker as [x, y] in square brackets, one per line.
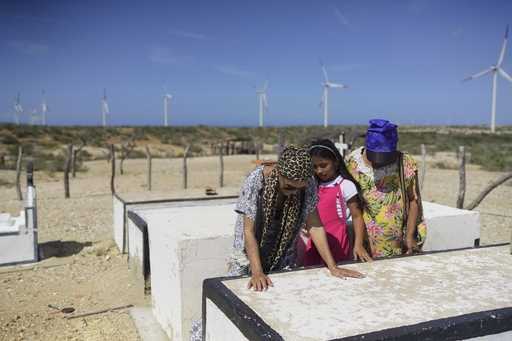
[83, 269]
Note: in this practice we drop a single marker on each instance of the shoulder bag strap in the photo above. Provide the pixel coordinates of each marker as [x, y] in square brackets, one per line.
[403, 188]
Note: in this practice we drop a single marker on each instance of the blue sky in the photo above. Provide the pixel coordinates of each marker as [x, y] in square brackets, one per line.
[403, 60]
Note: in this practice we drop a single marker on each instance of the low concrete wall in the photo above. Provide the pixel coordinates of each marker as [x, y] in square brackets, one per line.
[465, 294]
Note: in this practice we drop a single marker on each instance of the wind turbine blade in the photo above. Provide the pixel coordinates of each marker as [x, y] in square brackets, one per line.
[265, 86]
[105, 107]
[505, 75]
[477, 75]
[325, 74]
[339, 86]
[503, 48]
[265, 103]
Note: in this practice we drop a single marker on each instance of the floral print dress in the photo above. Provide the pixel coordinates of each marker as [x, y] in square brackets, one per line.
[384, 210]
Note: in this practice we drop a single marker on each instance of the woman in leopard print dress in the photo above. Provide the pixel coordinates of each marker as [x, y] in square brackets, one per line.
[274, 203]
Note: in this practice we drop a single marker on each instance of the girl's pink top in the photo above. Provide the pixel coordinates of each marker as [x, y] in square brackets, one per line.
[334, 225]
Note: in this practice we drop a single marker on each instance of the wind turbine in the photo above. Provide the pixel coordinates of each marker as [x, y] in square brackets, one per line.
[495, 70]
[34, 117]
[262, 101]
[18, 109]
[44, 109]
[325, 98]
[167, 99]
[104, 108]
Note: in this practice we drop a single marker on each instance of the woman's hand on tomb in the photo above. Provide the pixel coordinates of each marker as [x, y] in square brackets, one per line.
[361, 253]
[259, 282]
[343, 273]
[412, 245]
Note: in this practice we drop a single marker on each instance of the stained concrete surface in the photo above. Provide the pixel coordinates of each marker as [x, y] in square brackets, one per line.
[312, 305]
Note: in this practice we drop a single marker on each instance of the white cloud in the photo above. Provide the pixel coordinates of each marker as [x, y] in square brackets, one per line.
[28, 47]
[232, 70]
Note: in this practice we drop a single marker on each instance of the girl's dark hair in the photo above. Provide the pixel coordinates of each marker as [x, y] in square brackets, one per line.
[326, 149]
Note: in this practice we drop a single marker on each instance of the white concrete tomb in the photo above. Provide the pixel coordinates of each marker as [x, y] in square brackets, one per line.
[188, 242]
[18, 235]
[457, 295]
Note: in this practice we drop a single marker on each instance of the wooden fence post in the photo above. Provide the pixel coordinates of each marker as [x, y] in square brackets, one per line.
[126, 148]
[75, 155]
[185, 170]
[221, 160]
[67, 167]
[280, 144]
[113, 169]
[18, 173]
[462, 177]
[148, 156]
[423, 165]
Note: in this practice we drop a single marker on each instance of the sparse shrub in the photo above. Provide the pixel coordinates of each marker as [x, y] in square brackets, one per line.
[136, 154]
[8, 139]
[445, 165]
[5, 183]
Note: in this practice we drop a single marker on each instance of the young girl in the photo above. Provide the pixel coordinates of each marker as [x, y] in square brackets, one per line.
[338, 197]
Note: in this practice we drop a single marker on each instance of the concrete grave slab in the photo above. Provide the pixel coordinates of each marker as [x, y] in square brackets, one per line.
[463, 294]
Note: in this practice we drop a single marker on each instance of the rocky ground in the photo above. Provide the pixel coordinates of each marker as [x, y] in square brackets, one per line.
[81, 267]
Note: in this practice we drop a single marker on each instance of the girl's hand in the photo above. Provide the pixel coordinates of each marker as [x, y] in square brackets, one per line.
[343, 273]
[259, 281]
[361, 253]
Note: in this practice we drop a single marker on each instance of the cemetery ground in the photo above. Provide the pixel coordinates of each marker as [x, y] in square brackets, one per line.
[81, 267]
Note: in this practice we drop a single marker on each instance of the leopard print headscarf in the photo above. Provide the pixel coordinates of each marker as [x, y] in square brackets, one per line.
[295, 164]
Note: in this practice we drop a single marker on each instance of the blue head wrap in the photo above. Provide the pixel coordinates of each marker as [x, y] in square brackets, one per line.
[382, 136]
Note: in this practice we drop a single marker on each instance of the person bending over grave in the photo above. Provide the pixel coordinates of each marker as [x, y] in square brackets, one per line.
[274, 203]
[389, 184]
[338, 198]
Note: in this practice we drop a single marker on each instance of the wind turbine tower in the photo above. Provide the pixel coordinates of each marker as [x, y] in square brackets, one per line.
[104, 108]
[44, 110]
[495, 70]
[325, 98]
[18, 109]
[167, 100]
[262, 102]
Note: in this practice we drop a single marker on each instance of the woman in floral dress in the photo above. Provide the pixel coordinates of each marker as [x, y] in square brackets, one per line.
[394, 223]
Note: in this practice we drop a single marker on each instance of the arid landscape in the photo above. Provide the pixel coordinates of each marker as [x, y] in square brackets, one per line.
[82, 268]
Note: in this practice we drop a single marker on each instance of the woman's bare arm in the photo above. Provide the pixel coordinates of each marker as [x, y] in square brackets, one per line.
[359, 230]
[258, 279]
